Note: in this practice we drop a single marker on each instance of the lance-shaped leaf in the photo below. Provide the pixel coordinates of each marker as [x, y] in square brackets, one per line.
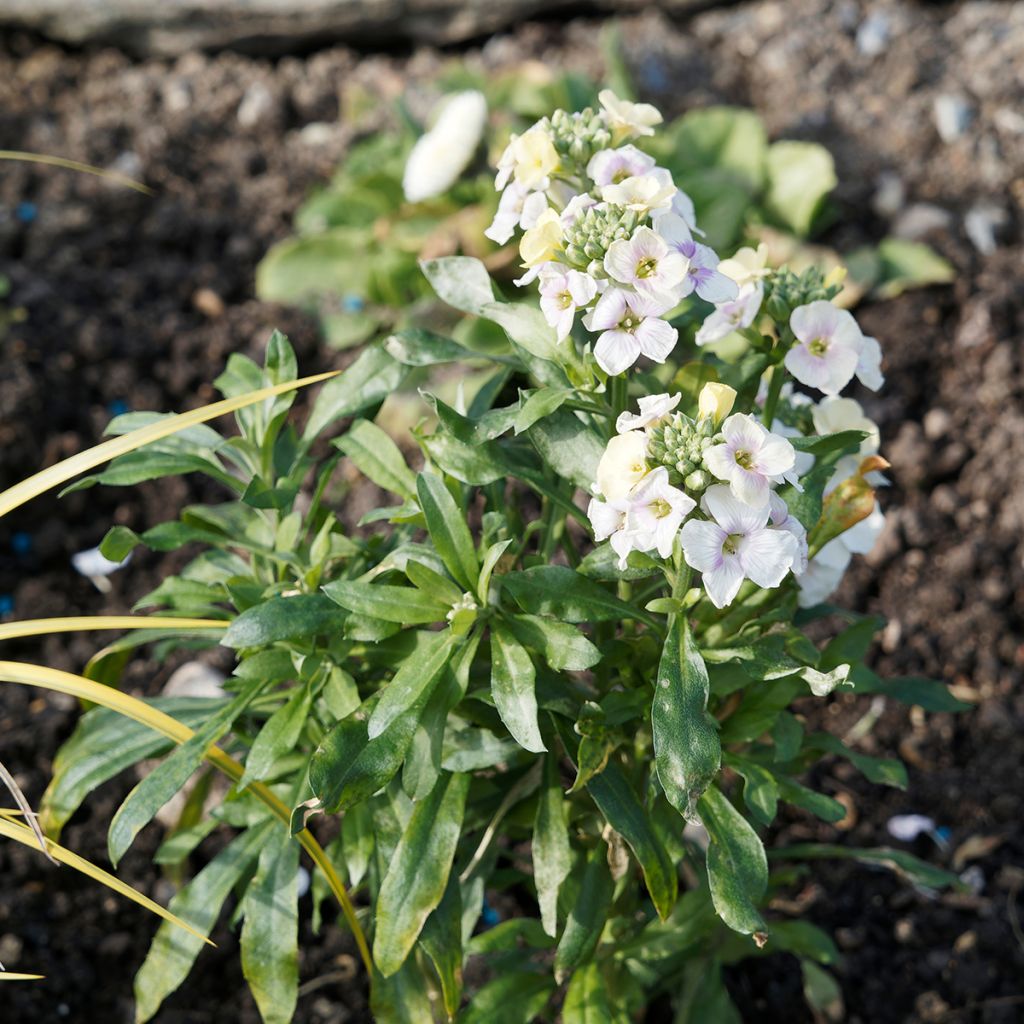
[624, 812]
[558, 591]
[515, 997]
[896, 860]
[461, 281]
[405, 605]
[737, 866]
[378, 457]
[284, 618]
[270, 955]
[552, 857]
[418, 873]
[563, 646]
[446, 524]
[586, 999]
[441, 938]
[513, 680]
[278, 736]
[687, 752]
[588, 915]
[570, 447]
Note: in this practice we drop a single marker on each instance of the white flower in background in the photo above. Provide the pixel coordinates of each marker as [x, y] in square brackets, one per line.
[96, 567]
[623, 465]
[562, 293]
[823, 574]
[518, 207]
[643, 192]
[736, 545]
[653, 409]
[535, 158]
[869, 366]
[781, 518]
[506, 164]
[682, 206]
[646, 262]
[832, 415]
[751, 459]
[630, 327]
[860, 538]
[443, 153]
[610, 166]
[734, 315]
[703, 275]
[804, 460]
[656, 511]
[747, 266]
[829, 346]
[715, 401]
[626, 118]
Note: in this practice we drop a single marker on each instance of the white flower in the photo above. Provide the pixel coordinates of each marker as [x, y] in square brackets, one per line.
[646, 262]
[782, 519]
[626, 118]
[530, 158]
[630, 328]
[703, 275]
[804, 460]
[860, 538]
[733, 315]
[656, 511]
[833, 415]
[682, 206]
[443, 153]
[576, 206]
[829, 349]
[643, 192]
[608, 518]
[623, 465]
[609, 166]
[737, 545]
[97, 567]
[562, 292]
[518, 208]
[747, 265]
[823, 574]
[869, 366]
[653, 409]
[750, 459]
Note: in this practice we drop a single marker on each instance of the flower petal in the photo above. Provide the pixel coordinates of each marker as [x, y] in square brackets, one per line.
[616, 351]
[656, 339]
[767, 555]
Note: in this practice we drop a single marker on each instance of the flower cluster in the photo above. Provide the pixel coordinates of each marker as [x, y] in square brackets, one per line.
[606, 231]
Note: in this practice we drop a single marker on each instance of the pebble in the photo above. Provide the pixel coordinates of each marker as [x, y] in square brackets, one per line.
[10, 949]
[128, 164]
[952, 115]
[937, 423]
[209, 303]
[890, 194]
[873, 35]
[257, 105]
[904, 930]
[317, 133]
[983, 224]
[920, 219]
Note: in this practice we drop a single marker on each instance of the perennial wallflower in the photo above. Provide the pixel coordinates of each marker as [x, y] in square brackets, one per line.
[869, 366]
[733, 315]
[443, 153]
[628, 119]
[646, 262]
[747, 265]
[751, 459]
[833, 414]
[535, 158]
[562, 293]
[736, 545]
[543, 241]
[518, 207]
[611, 166]
[653, 409]
[829, 349]
[781, 518]
[630, 327]
[715, 401]
[643, 192]
[703, 275]
[623, 465]
[656, 511]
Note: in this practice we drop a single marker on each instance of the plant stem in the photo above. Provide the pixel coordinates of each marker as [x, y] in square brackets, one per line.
[774, 390]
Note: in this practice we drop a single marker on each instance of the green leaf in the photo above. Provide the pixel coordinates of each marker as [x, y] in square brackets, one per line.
[270, 932]
[515, 997]
[405, 605]
[568, 446]
[704, 997]
[822, 991]
[906, 265]
[687, 752]
[552, 857]
[377, 457]
[884, 771]
[118, 543]
[284, 618]
[403, 998]
[439, 587]
[926, 693]
[441, 939]
[446, 523]
[787, 735]
[818, 804]
[539, 404]
[760, 789]
[414, 681]
[603, 564]
[896, 860]
[737, 866]
[460, 281]
[420, 347]
[586, 999]
[278, 736]
[723, 137]
[800, 176]
[166, 779]
[624, 812]
[803, 939]
[418, 873]
[587, 916]
[527, 327]
[512, 686]
[563, 646]
[491, 558]
[852, 644]
[828, 443]
[174, 950]
[557, 591]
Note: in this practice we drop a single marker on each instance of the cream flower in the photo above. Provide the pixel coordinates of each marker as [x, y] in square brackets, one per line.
[535, 158]
[747, 265]
[623, 465]
[443, 153]
[628, 119]
[715, 401]
[543, 241]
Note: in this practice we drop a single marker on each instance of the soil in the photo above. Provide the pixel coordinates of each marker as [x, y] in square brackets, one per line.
[136, 302]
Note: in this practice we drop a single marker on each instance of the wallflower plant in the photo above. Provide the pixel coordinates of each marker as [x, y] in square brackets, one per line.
[564, 672]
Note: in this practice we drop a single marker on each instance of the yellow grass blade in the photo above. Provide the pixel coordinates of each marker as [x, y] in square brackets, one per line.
[53, 476]
[23, 834]
[74, 165]
[139, 711]
[23, 805]
[11, 976]
[95, 623]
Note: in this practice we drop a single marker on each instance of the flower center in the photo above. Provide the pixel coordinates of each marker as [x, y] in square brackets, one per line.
[731, 543]
[818, 347]
[646, 267]
[564, 300]
[660, 508]
[630, 321]
[620, 176]
[744, 459]
[638, 468]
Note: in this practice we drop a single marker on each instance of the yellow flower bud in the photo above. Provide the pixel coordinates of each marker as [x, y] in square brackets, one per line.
[535, 158]
[715, 401]
[837, 275]
[543, 241]
[623, 465]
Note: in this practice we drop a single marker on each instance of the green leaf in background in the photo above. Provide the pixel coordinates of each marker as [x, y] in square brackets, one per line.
[896, 860]
[552, 857]
[284, 618]
[898, 265]
[727, 138]
[405, 605]
[174, 950]
[737, 866]
[538, 404]
[417, 346]
[822, 992]
[402, 998]
[516, 997]
[461, 281]
[587, 916]
[446, 523]
[586, 998]
[441, 938]
[687, 752]
[926, 693]
[418, 873]
[512, 685]
[270, 932]
[563, 646]
[624, 812]
[558, 591]
[800, 176]
[329, 263]
[703, 997]
[378, 457]
[568, 446]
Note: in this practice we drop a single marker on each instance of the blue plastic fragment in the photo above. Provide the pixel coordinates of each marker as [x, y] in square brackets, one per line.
[353, 303]
[6, 604]
[21, 543]
[118, 407]
[26, 212]
[489, 916]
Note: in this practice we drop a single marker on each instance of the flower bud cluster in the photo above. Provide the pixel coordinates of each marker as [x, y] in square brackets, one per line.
[786, 291]
[578, 136]
[679, 445]
[591, 234]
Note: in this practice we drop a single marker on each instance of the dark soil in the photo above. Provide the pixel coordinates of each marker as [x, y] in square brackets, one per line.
[136, 302]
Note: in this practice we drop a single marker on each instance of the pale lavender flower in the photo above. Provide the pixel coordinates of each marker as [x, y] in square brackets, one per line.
[653, 409]
[608, 518]
[869, 366]
[645, 262]
[751, 459]
[736, 545]
[612, 166]
[703, 275]
[562, 293]
[518, 207]
[656, 511]
[829, 346]
[734, 315]
[823, 574]
[643, 193]
[781, 518]
[630, 327]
